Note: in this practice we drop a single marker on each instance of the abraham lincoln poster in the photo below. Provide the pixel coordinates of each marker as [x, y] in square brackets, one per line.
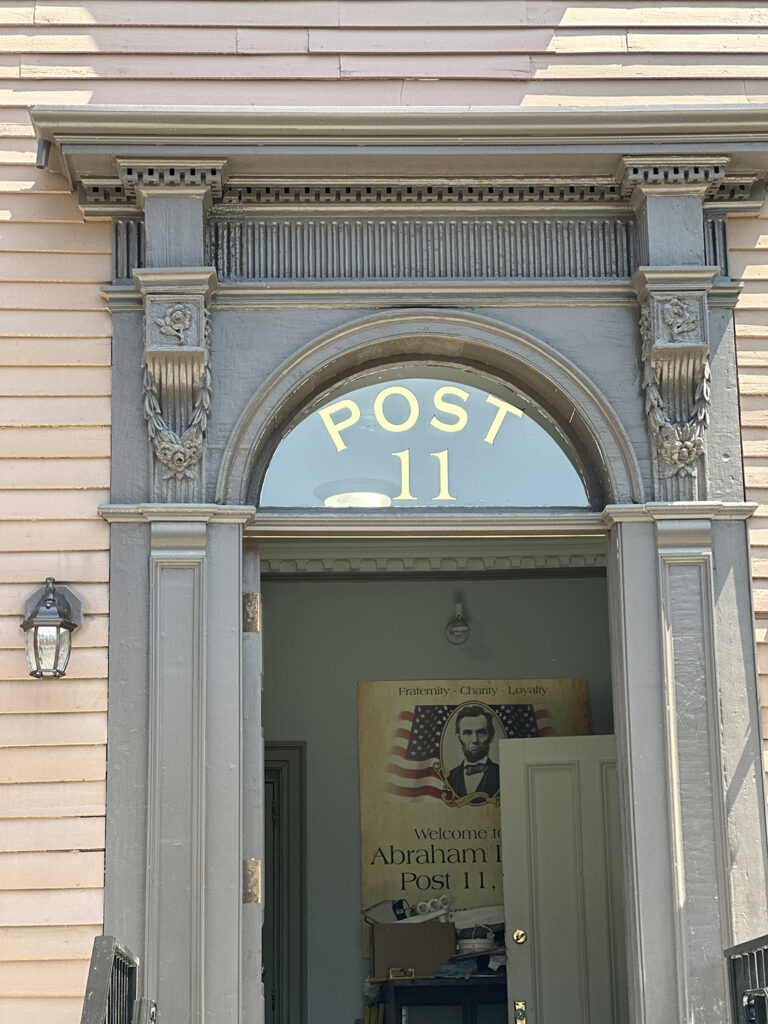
[429, 779]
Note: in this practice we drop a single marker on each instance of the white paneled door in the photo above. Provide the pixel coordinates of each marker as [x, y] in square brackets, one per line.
[563, 881]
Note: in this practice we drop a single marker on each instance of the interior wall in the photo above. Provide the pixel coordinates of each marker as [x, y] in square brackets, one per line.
[322, 636]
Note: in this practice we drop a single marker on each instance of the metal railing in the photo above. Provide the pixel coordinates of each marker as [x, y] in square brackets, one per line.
[748, 970]
[110, 995]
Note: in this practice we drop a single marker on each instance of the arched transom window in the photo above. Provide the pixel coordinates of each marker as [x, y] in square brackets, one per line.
[424, 436]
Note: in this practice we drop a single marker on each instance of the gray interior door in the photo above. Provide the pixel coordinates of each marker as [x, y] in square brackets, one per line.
[285, 923]
[563, 880]
[273, 954]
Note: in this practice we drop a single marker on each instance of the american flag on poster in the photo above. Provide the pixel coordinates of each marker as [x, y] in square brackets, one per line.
[410, 771]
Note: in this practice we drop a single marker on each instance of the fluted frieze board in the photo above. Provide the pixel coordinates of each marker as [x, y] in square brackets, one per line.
[338, 245]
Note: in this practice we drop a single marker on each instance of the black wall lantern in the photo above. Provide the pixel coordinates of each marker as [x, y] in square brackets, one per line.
[51, 614]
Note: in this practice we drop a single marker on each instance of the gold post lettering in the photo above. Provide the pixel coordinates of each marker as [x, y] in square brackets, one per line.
[504, 408]
[334, 429]
[453, 410]
[378, 409]
[405, 475]
[442, 458]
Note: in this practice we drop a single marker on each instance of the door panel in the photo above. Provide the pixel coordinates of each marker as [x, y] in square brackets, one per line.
[285, 914]
[562, 879]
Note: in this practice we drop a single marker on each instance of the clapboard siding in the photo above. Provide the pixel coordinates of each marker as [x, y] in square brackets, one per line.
[36, 1011]
[51, 504]
[54, 333]
[555, 49]
[749, 265]
[54, 472]
[50, 943]
[275, 41]
[363, 13]
[29, 907]
[49, 697]
[61, 978]
[53, 800]
[53, 834]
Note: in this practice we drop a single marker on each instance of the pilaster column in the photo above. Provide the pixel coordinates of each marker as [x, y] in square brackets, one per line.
[696, 861]
[175, 867]
[176, 862]
[672, 283]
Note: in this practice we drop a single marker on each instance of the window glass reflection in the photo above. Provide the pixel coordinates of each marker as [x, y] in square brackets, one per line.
[435, 438]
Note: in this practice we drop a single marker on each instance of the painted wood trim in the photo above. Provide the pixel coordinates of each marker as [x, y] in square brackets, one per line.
[176, 838]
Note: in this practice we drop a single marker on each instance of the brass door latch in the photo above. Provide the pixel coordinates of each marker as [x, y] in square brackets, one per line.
[520, 1014]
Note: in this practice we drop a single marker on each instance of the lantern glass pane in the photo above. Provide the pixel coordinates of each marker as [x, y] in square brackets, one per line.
[47, 647]
[65, 643]
[29, 644]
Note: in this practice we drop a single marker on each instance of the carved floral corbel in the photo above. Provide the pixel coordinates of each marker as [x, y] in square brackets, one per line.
[679, 443]
[176, 378]
[178, 450]
[676, 375]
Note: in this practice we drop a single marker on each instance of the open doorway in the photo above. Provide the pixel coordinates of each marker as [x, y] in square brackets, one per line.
[326, 632]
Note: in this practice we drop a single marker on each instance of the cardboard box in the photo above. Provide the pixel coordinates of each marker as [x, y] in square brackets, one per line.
[424, 947]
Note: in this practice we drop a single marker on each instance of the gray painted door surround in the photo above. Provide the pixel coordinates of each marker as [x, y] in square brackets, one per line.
[603, 292]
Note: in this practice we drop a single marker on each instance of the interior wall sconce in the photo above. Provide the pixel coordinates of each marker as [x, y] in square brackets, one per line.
[51, 614]
[457, 630]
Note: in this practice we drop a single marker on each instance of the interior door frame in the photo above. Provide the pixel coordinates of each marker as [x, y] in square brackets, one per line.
[285, 772]
[328, 546]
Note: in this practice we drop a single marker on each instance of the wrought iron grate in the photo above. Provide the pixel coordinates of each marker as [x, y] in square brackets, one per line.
[110, 995]
[748, 969]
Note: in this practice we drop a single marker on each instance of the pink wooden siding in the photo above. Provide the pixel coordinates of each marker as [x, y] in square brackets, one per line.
[54, 447]
[54, 332]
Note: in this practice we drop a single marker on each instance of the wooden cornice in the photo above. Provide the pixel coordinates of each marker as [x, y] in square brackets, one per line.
[86, 141]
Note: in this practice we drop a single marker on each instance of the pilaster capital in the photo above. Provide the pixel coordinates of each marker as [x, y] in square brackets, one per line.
[178, 280]
[652, 282]
[190, 512]
[642, 176]
[675, 511]
[123, 193]
[168, 177]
